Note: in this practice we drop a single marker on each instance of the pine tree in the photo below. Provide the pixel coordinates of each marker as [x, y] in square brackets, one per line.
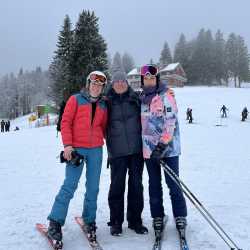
[231, 51]
[182, 54]
[209, 58]
[88, 51]
[116, 63]
[243, 60]
[197, 58]
[60, 73]
[127, 62]
[151, 61]
[166, 57]
[202, 59]
[21, 93]
[219, 58]
[109, 60]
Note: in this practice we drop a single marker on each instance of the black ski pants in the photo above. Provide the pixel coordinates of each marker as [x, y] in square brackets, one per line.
[119, 166]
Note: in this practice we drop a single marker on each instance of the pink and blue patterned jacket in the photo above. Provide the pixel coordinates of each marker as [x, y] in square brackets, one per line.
[160, 124]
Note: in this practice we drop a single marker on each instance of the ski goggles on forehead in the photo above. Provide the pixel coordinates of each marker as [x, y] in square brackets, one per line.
[97, 83]
[149, 69]
[96, 77]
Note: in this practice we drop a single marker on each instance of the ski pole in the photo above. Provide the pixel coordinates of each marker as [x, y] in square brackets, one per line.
[204, 212]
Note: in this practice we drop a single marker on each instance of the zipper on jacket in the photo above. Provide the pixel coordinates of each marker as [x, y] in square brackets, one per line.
[123, 117]
[90, 135]
[92, 122]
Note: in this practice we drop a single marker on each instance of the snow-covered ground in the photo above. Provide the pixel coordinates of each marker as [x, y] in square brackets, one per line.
[23, 122]
[215, 165]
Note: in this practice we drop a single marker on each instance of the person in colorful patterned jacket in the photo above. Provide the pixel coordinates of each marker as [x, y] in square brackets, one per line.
[161, 141]
[83, 129]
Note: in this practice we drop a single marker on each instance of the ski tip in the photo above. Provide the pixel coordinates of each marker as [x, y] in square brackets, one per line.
[79, 220]
[41, 226]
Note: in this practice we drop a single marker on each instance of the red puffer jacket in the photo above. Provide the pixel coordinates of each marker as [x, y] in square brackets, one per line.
[77, 128]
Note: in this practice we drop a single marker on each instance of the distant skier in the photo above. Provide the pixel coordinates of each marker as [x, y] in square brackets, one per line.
[190, 115]
[2, 126]
[16, 128]
[224, 110]
[244, 114]
[7, 126]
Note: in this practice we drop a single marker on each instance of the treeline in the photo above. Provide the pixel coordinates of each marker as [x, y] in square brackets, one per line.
[22, 92]
[209, 59]
[80, 50]
[120, 62]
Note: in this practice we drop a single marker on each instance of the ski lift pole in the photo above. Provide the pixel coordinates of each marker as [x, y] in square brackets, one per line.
[203, 211]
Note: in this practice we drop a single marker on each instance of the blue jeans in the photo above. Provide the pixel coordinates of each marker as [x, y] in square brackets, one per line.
[93, 157]
[179, 207]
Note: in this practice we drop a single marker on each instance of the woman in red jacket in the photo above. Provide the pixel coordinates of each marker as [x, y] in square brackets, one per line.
[83, 127]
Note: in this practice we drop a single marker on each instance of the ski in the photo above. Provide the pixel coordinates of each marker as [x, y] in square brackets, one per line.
[183, 240]
[157, 243]
[55, 244]
[94, 245]
[159, 235]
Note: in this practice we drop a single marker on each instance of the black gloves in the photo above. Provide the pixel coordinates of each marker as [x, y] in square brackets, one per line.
[158, 151]
[76, 160]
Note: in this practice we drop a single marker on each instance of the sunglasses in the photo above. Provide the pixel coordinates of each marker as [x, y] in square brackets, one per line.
[149, 69]
[96, 77]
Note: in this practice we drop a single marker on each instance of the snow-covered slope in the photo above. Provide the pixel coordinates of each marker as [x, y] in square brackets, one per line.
[215, 164]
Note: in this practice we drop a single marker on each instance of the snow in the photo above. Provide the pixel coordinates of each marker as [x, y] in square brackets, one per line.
[23, 122]
[134, 71]
[215, 165]
[170, 67]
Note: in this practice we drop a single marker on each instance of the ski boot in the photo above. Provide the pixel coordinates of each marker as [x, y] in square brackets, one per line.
[115, 229]
[55, 234]
[138, 227]
[90, 229]
[181, 223]
[158, 225]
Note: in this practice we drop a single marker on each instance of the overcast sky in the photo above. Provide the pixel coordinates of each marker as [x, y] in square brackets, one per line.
[29, 28]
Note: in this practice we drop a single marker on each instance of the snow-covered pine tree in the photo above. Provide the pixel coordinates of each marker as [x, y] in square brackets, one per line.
[60, 73]
[127, 62]
[202, 58]
[219, 58]
[21, 93]
[182, 54]
[165, 57]
[88, 50]
[231, 51]
[243, 61]
[116, 63]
